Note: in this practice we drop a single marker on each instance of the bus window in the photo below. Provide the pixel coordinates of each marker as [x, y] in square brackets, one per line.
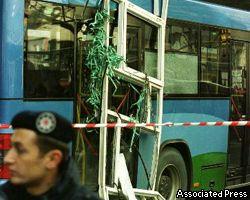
[114, 9]
[181, 38]
[48, 53]
[181, 60]
[215, 63]
[141, 46]
[239, 75]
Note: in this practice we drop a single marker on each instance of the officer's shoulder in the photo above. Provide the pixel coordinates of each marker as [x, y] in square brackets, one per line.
[83, 193]
[9, 190]
[7, 186]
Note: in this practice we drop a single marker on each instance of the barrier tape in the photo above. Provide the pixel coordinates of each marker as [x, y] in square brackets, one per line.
[168, 124]
[5, 126]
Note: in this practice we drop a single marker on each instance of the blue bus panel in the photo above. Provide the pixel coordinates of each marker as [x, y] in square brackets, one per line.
[211, 14]
[200, 140]
[76, 2]
[9, 108]
[1, 25]
[145, 4]
[203, 13]
[12, 33]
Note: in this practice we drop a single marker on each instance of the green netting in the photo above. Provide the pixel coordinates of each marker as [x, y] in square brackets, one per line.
[101, 59]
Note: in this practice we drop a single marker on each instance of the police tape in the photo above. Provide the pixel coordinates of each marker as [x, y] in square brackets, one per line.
[168, 124]
[5, 126]
[141, 125]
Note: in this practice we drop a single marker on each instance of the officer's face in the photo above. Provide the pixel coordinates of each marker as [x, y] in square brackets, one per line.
[26, 165]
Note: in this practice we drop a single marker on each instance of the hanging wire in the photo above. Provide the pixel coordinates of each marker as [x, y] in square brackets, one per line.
[135, 147]
[84, 9]
[140, 110]
[101, 60]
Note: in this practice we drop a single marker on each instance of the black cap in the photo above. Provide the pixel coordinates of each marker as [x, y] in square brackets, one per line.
[45, 123]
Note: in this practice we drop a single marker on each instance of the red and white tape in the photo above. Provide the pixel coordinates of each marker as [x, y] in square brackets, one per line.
[168, 124]
[5, 126]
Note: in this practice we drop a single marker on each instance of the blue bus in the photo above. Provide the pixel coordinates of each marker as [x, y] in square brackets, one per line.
[191, 65]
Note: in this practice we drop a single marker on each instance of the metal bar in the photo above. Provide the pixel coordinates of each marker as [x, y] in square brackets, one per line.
[149, 104]
[156, 7]
[116, 152]
[124, 179]
[127, 119]
[160, 74]
[164, 13]
[139, 192]
[103, 130]
[74, 72]
[122, 30]
[145, 15]
[138, 77]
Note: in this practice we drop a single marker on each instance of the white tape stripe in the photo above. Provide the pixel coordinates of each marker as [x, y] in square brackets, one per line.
[170, 124]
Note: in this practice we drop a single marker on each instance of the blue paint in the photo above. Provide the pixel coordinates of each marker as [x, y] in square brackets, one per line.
[91, 3]
[203, 13]
[200, 140]
[211, 14]
[59, 1]
[218, 108]
[11, 84]
[146, 151]
[1, 29]
[10, 108]
[145, 4]
[113, 5]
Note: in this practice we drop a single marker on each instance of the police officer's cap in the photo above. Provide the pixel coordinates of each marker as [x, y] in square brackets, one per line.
[45, 123]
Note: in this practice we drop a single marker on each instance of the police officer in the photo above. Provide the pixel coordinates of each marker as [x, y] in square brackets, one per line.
[39, 160]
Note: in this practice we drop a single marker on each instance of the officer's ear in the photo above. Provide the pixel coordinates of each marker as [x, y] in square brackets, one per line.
[53, 159]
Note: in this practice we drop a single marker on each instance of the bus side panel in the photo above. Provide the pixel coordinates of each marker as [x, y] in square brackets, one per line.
[197, 111]
[1, 29]
[83, 2]
[206, 13]
[11, 82]
[208, 145]
[10, 108]
[145, 4]
[59, 1]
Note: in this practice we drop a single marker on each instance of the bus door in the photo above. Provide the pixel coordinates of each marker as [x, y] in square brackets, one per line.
[239, 137]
